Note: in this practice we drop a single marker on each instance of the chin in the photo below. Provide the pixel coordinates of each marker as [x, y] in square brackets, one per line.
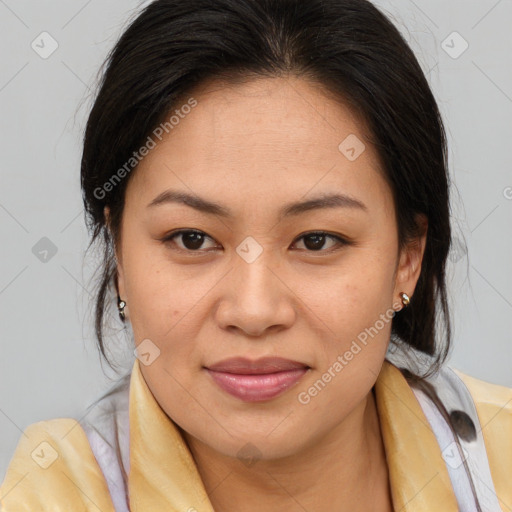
[250, 449]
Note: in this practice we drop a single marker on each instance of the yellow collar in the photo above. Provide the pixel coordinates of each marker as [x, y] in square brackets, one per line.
[417, 472]
[163, 474]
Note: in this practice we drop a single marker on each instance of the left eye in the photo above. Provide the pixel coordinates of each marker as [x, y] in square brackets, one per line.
[192, 240]
[316, 240]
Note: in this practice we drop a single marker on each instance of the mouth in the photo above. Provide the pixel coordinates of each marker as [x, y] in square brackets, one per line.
[259, 380]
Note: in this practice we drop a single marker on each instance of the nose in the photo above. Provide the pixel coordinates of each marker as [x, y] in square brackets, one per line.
[256, 298]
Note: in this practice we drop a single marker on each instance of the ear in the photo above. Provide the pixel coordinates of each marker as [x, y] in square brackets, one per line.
[409, 266]
[119, 279]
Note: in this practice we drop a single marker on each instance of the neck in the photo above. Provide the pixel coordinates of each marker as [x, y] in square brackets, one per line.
[345, 470]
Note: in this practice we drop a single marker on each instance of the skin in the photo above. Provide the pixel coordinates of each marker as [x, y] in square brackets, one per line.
[254, 147]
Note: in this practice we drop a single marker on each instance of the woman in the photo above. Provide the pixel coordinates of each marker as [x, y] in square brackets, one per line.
[269, 182]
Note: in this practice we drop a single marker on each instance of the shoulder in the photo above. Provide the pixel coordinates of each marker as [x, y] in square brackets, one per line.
[493, 404]
[52, 468]
[488, 397]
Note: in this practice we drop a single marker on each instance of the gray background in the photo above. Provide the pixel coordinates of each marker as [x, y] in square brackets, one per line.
[49, 366]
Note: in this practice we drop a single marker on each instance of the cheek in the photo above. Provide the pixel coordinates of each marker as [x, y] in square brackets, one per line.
[352, 296]
[163, 308]
[356, 313]
[156, 296]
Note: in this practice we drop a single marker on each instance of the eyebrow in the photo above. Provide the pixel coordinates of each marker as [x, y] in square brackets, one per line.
[323, 201]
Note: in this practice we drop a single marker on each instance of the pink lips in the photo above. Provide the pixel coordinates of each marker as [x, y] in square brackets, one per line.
[258, 380]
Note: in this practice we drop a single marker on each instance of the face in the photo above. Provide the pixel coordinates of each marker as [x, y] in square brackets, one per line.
[241, 273]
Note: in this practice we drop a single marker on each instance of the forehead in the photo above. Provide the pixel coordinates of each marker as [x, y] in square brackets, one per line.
[267, 139]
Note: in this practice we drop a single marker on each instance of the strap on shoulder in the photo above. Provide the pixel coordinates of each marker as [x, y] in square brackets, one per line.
[459, 403]
[460, 440]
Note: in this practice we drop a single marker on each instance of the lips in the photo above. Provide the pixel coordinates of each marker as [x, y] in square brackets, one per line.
[257, 380]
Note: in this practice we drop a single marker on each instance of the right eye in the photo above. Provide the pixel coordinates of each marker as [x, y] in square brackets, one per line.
[191, 239]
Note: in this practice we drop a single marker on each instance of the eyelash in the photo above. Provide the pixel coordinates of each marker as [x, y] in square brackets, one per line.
[169, 239]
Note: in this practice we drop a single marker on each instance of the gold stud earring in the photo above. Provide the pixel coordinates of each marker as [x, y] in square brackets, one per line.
[405, 299]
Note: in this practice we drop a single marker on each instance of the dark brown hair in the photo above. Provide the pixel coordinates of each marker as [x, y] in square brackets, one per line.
[349, 47]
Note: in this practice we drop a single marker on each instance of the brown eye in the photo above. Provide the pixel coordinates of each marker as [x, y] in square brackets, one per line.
[191, 240]
[315, 242]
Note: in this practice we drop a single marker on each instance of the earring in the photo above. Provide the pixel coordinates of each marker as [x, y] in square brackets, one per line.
[120, 306]
[405, 299]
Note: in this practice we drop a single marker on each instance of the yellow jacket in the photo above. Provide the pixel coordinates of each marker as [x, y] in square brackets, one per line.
[55, 469]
